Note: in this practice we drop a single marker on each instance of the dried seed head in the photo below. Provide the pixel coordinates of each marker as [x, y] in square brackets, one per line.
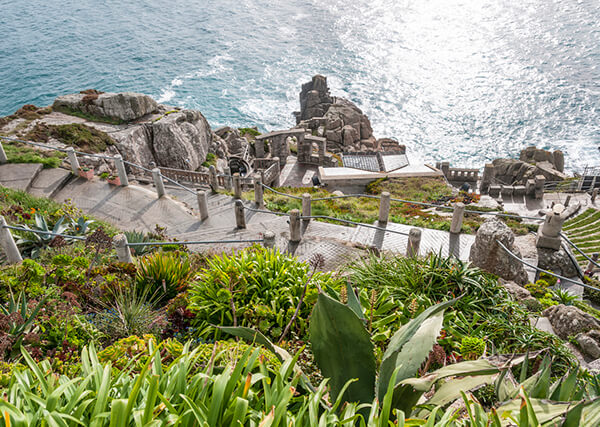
[317, 261]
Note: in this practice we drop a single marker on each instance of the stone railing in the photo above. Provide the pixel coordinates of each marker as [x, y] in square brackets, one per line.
[192, 177]
[458, 174]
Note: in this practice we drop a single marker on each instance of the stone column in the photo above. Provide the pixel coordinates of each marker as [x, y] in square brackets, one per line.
[269, 239]
[237, 186]
[306, 208]
[549, 232]
[123, 251]
[258, 191]
[277, 182]
[9, 246]
[202, 204]
[120, 166]
[228, 179]
[212, 179]
[414, 242]
[259, 148]
[487, 178]
[384, 207]
[158, 182]
[73, 160]
[322, 148]
[240, 218]
[295, 231]
[446, 168]
[540, 181]
[3, 158]
[457, 218]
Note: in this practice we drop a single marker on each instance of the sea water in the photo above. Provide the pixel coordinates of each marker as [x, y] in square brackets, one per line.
[459, 80]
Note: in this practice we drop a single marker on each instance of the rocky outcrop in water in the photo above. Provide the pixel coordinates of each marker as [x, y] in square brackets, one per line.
[123, 107]
[339, 120]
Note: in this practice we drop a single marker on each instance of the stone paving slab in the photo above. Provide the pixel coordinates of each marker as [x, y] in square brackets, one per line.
[19, 176]
[49, 182]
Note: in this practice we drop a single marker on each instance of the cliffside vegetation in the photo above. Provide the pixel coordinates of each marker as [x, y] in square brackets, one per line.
[88, 340]
[85, 138]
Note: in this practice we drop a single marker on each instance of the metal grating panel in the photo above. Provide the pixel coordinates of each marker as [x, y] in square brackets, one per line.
[367, 162]
[391, 162]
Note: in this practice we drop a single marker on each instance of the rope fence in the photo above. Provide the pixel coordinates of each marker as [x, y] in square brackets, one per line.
[47, 233]
[345, 221]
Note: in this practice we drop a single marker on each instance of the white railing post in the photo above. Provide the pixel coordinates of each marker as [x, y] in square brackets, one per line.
[240, 218]
[269, 239]
[73, 160]
[306, 208]
[259, 197]
[3, 158]
[123, 251]
[295, 232]
[202, 204]
[384, 207]
[121, 171]
[158, 182]
[237, 186]
[414, 243]
[457, 218]
[7, 241]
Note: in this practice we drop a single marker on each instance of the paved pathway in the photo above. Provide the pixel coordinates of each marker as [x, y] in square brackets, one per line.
[136, 207]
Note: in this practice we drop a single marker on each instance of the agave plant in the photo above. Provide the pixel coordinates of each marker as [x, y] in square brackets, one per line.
[81, 226]
[40, 235]
[138, 237]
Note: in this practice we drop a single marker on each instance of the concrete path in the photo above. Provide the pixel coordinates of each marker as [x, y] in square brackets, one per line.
[137, 207]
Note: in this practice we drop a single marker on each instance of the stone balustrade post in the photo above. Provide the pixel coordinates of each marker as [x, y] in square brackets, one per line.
[457, 218]
[384, 207]
[487, 178]
[277, 181]
[240, 218]
[158, 182]
[212, 179]
[295, 231]
[228, 179]
[73, 160]
[258, 191]
[414, 243]
[306, 208]
[3, 158]
[269, 239]
[123, 251]
[121, 171]
[237, 186]
[202, 197]
[594, 195]
[259, 148]
[9, 246]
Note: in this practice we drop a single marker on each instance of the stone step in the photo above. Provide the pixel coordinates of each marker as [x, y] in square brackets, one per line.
[49, 182]
[19, 176]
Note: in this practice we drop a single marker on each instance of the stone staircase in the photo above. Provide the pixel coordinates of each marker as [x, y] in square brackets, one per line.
[34, 179]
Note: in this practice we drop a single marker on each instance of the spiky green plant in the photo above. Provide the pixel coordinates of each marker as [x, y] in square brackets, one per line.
[138, 237]
[163, 274]
[17, 321]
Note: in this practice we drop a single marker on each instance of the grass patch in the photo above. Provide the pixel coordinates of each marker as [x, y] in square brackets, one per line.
[249, 132]
[367, 210]
[90, 117]
[78, 135]
[584, 231]
[22, 153]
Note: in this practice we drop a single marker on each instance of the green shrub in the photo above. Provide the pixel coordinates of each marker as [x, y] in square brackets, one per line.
[255, 287]
[548, 278]
[538, 289]
[28, 277]
[211, 160]
[472, 348]
[163, 274]
[122, 352]
[86, 138]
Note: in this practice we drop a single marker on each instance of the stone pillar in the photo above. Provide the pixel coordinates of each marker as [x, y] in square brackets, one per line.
[559, 160]
[457, 218]
[295, 232]
[269, 239]
[414, 242]
[212, 179]
[202, 204]
[228, 179]
[237, 186]
[3, 158]
[594, 195]
[9, 246]
[259, 148]
[158, 182]
[446, 169]
[120, 166]
[322, 147]
[306, 208]
[549, 232]
[384, 207]
[277, 182]
[258, 191]
[487, 178]
[540, 181]
[123, 252]
[73, 160]
[568, 200]
[240, 218]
